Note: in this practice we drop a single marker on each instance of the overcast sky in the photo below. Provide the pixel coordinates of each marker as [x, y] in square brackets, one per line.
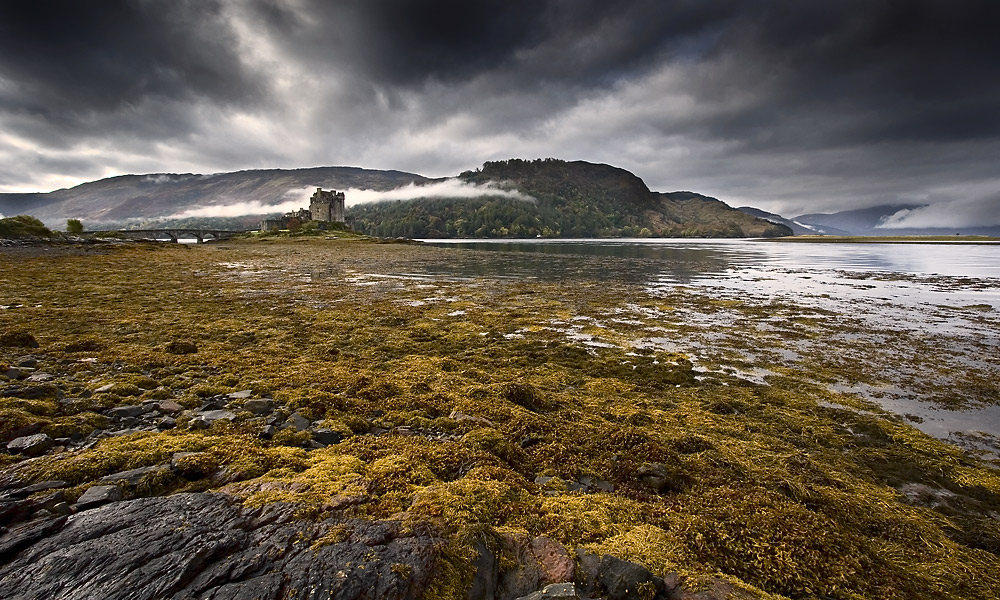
[793, 106]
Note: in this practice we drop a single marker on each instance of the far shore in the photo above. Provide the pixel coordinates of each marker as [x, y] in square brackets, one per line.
[901, 239]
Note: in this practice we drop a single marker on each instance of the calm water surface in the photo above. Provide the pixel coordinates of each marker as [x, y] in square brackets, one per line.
[950, 291]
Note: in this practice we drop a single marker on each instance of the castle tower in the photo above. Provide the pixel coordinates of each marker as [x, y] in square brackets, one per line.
[327, 206]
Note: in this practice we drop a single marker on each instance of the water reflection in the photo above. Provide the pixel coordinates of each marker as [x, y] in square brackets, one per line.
[708, 258]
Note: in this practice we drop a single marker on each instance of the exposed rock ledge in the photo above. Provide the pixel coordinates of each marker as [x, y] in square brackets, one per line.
[208, 546]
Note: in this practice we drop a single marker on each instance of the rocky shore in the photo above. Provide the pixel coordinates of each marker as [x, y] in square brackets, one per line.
[302, 419]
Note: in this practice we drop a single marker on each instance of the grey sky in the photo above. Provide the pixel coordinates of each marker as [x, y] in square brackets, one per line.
[793, 106]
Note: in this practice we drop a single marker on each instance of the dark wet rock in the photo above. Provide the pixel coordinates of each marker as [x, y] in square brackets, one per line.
[484, 584]
[259, 406]
[29, 392]
[208, 546]
[134, 476]
[662, 478]
[327, 436]
[216, 403]
[555, 591]
[268, 431]
[530, 441]
[616, 579]
[297, 422]
[166, 423]
[13, 373]
[99, 495]
[23, 536]
[28, 362]
[34, 488]
[31, 445]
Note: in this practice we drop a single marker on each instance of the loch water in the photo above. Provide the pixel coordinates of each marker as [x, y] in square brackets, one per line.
[942, 291]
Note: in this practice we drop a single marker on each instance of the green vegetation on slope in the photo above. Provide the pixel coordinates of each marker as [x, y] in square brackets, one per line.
[23, 226]
[570, 199]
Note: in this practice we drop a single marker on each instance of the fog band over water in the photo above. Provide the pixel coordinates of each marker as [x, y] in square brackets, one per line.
[299, 198]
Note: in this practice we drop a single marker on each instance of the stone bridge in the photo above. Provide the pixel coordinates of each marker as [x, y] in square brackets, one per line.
[175, 234]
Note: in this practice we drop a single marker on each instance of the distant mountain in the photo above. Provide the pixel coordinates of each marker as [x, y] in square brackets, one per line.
[796, 228]
[566, 199]
[117, 200]
[866, 221]
[519, 199]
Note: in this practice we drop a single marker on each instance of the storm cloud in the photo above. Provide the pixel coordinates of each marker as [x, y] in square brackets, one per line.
[790, 106]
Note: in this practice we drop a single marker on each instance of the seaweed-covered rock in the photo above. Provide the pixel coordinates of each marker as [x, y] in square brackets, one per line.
[207, 545]
[18, 339]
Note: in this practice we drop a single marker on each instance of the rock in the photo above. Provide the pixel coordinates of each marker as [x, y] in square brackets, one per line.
[540, 561]
[556, 564]
[484, 583]
[555, 591]
[298, 422]
[240, 395]
[259, 406]
[105, 388]
[268, 431]
[13, 373]
[28, 362]
[134, 476]
[169, 407]
[166, 423]
[123, 412]
[662, 479]
[40, 377]
[624, 580]
[461, 416]
[327, 436]
[29, 392]
[198, 423]
[37, 487]
[209, 546]
[97, 495]
[31, 445]
[62, 508]
[211, 416]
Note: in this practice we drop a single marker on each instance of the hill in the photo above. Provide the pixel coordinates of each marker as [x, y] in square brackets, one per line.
[114, 201]
[797, 228]
[869, 221]
[548, 198]
[560, 199]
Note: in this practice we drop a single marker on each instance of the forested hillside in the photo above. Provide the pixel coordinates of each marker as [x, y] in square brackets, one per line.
[564, 199]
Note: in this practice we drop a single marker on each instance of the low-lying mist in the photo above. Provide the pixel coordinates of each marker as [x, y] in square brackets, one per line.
[299, 198]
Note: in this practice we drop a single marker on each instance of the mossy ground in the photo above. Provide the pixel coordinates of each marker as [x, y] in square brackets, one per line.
[778, 484]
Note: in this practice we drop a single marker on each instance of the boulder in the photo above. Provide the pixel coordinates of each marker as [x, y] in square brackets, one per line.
[97, 495]
[31, 445]
[240, 395]
[210, 546]
[211, 416]
[327, 436]
[298, 422]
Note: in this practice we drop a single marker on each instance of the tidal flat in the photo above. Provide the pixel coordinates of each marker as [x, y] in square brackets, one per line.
[720, 438]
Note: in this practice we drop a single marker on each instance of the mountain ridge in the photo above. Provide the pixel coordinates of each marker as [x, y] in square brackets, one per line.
[575, 199]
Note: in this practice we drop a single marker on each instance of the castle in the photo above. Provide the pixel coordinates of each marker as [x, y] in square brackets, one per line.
[324, 207]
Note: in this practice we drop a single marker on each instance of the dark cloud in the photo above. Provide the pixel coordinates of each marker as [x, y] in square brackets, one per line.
[786, 104]
[67, 60]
